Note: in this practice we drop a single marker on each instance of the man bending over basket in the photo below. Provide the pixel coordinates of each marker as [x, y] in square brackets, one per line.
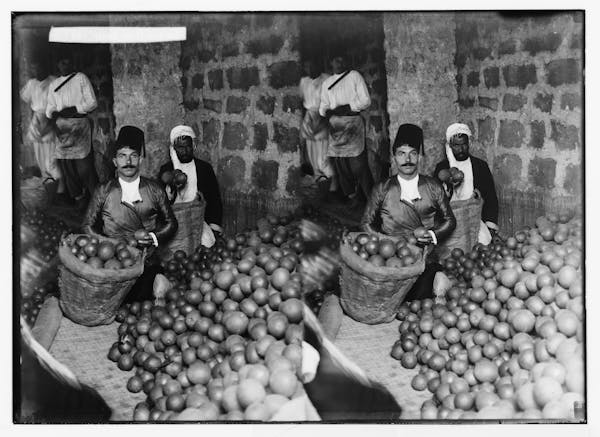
[131, 203]
[410, 200]
[477, 176]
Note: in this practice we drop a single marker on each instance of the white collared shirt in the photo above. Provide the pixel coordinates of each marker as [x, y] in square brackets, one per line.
[351, 90]
[76, 92]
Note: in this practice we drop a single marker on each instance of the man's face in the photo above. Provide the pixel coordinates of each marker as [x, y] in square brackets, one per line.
[338, 65]
[65, 67]
[407, 160]
[184, 148]
[460, 147]
[309, 68]
[127, 161]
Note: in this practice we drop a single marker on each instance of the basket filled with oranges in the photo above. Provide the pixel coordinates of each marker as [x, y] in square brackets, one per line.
[376, 274]
[95, 275]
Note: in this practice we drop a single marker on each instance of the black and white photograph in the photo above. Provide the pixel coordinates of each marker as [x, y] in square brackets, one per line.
[302, 217]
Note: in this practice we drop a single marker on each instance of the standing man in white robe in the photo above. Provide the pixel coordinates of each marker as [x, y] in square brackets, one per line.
[343, 96]
[314, 128]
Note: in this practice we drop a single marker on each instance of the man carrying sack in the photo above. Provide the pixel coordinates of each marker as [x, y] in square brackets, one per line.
[343, 96]
[131, 203]
[199, 179]
[477, 176]
[410, 200]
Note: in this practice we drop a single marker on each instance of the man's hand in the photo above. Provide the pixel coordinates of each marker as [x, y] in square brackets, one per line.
[147, 241]
[425, 240]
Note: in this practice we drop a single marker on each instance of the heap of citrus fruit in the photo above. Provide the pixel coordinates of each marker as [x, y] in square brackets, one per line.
[226, 342]
[101, 254]
[507, 341]
[383, 252]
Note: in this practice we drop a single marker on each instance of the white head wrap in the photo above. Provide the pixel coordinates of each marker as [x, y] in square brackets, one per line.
[457, 128]
[181, 131]
[191, 189]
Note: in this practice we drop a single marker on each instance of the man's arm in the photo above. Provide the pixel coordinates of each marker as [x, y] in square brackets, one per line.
[489, 213]
[361, 99]
[324, 105]
[371, 215]
[88, 99]
[447, 219]
[165, 232]
[94, 211]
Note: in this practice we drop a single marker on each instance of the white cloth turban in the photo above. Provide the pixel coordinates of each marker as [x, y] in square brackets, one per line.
[181, 131]
[457, 128]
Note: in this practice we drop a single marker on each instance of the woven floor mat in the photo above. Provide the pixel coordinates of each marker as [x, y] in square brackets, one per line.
[369, 347]
[84, 350]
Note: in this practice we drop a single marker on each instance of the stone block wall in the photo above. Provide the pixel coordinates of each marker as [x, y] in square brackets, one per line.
[239, 86]
[519, 83]
[421, 77]
[147, 88]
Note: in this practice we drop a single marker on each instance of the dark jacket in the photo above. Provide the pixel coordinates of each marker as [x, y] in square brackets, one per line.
[484, 182]
[385, 211]
[208, 186]
[107, 215]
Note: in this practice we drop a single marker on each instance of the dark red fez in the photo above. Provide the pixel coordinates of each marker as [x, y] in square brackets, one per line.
[410, 134]
[132, 137]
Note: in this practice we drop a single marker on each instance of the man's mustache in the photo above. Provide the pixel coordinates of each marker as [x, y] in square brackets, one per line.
[408, 165]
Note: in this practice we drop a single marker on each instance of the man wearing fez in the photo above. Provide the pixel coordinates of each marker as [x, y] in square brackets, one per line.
[130, 203]
[477, 175]
[200, 176]
[409, 200]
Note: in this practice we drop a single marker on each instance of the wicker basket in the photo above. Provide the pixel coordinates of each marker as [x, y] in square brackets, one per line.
[90, 296]
[371, 294]
[190, 218]
[466, 234]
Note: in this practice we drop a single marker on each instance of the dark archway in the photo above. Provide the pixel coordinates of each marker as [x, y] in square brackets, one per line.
[361, 36]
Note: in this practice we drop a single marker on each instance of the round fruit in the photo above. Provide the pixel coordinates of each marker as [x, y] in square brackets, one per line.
[283, 382]
[250, 391]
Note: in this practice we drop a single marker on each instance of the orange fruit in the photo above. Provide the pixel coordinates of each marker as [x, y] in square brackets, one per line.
[567, 322]
[283, 382]
[257, 411]
[485, 371]
[523, 321]
[555, 371]
[229, 402]
[546, 390]
[259, 373]
[250, 391]
[555, 409]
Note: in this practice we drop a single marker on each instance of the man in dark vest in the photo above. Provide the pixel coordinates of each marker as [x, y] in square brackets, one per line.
[129, 203]
[410, 200]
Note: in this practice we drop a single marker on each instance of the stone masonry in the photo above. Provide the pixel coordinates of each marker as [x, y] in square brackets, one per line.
[239, 81]
[421, 77]
[531, 69]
